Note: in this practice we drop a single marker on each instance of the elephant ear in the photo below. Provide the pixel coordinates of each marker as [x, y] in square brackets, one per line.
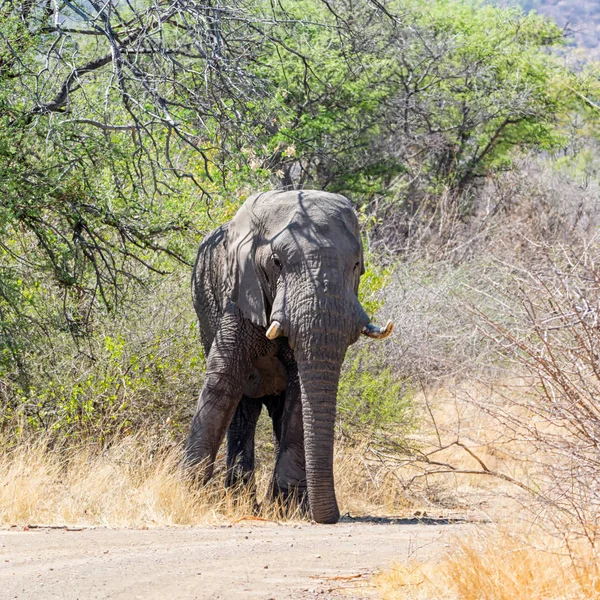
[362, 256]
[243, 285]
[362, 266]
[351, 222]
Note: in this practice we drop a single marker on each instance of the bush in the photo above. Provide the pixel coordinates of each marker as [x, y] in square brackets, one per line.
[371, 397]
[139, 370]
[553, 341]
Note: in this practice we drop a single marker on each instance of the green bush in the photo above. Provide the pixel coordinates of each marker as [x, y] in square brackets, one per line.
[139, 371]
[371, 397]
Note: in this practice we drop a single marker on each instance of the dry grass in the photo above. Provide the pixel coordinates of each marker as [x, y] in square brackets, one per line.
[498, 568]
[124, 486]
[133, 485]
[555, 558]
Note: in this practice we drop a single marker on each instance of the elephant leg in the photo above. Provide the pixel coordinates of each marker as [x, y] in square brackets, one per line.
[289, 478]
[227, 369]
[240, 442]
[274, 406]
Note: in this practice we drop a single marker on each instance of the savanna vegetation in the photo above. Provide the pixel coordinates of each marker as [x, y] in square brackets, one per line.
[465, 134]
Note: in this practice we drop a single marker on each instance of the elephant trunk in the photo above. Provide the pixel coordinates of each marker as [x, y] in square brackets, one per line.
[319, 350]
[318, 384]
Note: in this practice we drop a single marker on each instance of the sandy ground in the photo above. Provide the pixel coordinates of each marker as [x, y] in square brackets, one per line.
[246, 560]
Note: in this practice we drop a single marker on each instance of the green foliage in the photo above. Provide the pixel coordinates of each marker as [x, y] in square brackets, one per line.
[442, 95]
[497, 86]
[326, 103]
[371, 396]
[140, 370]
[372, 284]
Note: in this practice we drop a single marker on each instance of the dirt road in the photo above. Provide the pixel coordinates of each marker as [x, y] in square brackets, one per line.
[245, 560]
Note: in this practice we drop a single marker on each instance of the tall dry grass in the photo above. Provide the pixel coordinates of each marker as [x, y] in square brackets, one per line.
[498, 567]
[123, 486]
[135, 485]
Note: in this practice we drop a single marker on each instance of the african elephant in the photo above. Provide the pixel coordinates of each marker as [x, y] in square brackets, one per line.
[275, 290]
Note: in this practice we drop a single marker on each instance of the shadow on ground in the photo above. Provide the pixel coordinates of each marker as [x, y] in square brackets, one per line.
[422, 519]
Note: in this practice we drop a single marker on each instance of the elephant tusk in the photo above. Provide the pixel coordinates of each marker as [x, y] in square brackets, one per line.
[373, 331]
[275, 330]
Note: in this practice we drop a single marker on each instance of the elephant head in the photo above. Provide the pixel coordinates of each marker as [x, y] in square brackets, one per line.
[295, 261]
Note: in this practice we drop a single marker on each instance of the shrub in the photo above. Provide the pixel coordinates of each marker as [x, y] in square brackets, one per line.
[553, 341]
[371, 397]
[141, 369]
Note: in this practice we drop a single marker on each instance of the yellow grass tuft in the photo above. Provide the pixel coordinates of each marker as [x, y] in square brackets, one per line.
[497, 568]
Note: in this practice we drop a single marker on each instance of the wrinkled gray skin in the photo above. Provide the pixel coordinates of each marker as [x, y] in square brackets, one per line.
[294, 257]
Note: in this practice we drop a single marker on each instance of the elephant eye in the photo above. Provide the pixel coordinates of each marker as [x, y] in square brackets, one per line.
[356, 265]
[276, 262]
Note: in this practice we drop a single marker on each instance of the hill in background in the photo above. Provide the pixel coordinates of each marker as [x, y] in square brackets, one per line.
[580, 17]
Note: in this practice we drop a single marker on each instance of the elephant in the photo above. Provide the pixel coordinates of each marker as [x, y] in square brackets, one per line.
[276, 294]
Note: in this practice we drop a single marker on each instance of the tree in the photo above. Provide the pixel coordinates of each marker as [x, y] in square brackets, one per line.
[113, 120]
[439, 95]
